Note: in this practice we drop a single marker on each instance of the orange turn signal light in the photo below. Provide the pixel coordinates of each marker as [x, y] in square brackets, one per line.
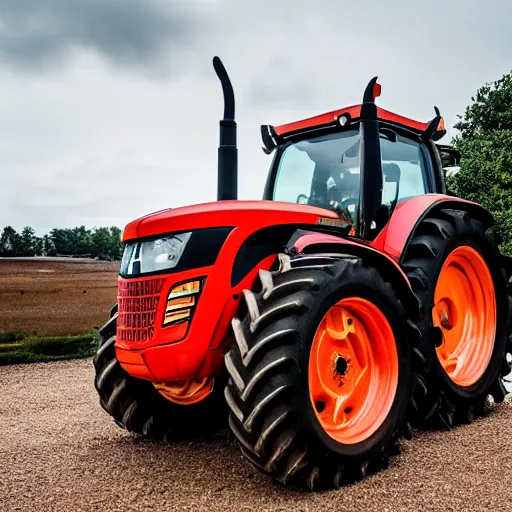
[181, 302]
[377, 89]
[184, 289]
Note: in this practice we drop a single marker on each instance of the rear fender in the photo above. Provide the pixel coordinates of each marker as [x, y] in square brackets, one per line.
[322, 243]
[395, 237]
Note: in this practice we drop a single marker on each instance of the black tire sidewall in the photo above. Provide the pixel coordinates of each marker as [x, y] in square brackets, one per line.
[490, 254]
[184, 421]
[389, 305]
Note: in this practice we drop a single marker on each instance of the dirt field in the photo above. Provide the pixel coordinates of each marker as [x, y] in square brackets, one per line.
[59, 452]
[47, 297]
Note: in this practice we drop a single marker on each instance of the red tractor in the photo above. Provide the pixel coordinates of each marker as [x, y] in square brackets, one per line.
[356, 301]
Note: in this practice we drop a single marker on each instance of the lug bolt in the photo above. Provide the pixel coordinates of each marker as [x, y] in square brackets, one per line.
[445, 322]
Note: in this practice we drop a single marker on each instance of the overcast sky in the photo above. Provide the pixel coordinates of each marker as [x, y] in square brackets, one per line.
[109, 109]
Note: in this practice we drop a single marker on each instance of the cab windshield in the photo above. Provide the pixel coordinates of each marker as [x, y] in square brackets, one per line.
[325, 171]
[322, 171]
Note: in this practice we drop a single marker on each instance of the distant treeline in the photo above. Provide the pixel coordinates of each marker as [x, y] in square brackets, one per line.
[102, 243]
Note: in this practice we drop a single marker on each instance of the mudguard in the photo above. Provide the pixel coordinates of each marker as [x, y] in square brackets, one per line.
[386, 251]
[393, 239]
[324, 243]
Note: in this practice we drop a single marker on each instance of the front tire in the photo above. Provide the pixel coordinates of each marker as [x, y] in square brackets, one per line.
[138, 407]
[273, 392]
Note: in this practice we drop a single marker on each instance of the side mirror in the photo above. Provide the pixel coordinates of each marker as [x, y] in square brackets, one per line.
[450, 157]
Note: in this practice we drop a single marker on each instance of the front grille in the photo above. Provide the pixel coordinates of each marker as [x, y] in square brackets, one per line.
[137, 302]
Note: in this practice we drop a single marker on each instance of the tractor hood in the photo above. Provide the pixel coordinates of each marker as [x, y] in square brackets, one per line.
[229, 213]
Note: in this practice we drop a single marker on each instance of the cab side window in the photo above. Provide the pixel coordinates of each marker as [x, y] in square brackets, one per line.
[404, 167]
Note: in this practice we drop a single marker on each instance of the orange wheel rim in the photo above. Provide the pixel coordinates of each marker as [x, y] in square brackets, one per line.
[353, 370]
[465, 311]
[186, 392]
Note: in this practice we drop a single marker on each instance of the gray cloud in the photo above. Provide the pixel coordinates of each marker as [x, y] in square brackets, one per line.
[35, 34]
[102, 144]
[278, 84]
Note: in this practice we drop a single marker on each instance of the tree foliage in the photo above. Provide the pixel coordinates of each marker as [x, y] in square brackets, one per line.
[9, 242]
[102, 243]
[485, 144]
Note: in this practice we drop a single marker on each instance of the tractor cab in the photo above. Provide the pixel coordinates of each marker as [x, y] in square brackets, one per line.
[325, 171]
[318, 161]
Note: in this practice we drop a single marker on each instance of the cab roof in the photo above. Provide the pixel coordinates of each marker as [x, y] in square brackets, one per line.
[274, 136]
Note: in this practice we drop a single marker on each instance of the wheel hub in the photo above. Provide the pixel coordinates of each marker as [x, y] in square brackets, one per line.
[445, 313]
[341, 365]
[340, 368]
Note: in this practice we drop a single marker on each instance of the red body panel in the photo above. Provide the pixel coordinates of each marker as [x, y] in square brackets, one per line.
[248, 215]
[321, 238]
[200, 352]
[354, 112]
[154, 355]
[392, 239]
[320, 120]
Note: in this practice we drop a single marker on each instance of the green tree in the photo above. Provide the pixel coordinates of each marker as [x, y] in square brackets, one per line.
[116, 246]
[64, 241]
[101, 243]
[106, 243]
[48, 246]
[60, 239]
[28, 242]
[80, 240]
[485, 144]
[9, 242]
[38, 246]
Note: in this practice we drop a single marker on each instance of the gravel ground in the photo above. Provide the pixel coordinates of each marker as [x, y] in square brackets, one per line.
[59, 451]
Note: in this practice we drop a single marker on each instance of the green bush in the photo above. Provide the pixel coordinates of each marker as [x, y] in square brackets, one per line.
[59, 345]
[9, 347]
[10, 336]
[37, 349]
[14, 357]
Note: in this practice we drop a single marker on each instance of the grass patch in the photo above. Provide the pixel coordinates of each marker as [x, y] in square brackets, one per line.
[11, 336]
[19, 349]
[9, 347]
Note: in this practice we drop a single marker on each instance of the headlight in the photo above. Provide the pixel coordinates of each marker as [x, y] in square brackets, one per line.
[153, 255]
[163, 253]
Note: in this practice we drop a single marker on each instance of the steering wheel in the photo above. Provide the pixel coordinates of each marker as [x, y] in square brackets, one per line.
[348, 202]
[300, 199]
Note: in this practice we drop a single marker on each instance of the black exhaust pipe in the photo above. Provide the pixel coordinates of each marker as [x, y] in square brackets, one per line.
[227, 184]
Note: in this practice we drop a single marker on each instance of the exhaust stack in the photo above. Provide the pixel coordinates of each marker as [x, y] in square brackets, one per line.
[227, 181]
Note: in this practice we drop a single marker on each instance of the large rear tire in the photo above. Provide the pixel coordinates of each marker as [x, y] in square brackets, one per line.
[455, 269]
[138, 407]
[291, 399]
